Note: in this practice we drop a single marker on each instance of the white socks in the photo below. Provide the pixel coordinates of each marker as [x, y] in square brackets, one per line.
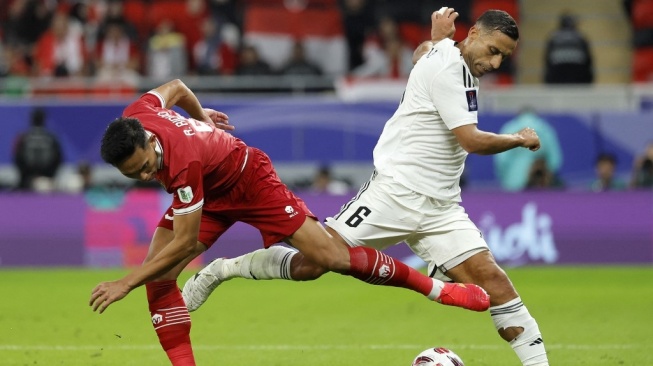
[529, 345]
[262, 264]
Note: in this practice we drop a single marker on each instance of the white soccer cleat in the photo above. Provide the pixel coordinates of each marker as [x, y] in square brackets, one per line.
[199, 287]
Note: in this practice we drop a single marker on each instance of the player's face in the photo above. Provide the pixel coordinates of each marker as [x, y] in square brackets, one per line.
[485, 51]
[142, 165]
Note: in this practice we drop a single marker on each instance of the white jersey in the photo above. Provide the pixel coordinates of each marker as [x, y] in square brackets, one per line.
[417, 147]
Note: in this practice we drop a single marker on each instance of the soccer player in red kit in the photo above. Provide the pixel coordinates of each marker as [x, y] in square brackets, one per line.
[217, 180]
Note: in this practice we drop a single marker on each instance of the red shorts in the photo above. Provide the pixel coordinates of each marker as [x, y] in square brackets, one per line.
[258, 198]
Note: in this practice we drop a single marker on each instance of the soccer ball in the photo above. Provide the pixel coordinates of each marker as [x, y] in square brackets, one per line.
[437, 356]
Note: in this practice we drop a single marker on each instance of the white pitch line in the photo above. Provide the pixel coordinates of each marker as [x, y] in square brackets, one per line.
[290, 347]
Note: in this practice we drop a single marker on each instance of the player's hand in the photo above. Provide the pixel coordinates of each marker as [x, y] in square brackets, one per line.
[106, 293]
[530, 139]
[218, 119]
[442, 25]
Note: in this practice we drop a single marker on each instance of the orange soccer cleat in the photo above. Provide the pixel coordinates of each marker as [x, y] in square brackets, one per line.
[466, 296]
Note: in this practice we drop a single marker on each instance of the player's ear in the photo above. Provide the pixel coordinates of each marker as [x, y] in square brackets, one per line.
[151, 140]
[473, 32]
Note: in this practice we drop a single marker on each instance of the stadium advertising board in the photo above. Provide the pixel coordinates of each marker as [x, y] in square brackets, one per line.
[114, 229]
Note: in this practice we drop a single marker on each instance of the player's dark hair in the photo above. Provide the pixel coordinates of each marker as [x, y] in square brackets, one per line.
[121, 139]
[607, 157]
[499, 20]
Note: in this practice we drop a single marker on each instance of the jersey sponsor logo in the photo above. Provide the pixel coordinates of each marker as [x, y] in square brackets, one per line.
[472, 103]
[157, 318]
[185, 194]
[291, 211]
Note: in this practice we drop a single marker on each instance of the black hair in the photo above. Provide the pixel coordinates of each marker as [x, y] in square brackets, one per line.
[121, 139]
[499, 20]
[37, 118]
[607, 157]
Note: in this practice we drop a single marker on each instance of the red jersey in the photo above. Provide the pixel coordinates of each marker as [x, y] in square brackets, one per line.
[197, 161]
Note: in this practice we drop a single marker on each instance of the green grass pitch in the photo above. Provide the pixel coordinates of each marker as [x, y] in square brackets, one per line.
[589, 316]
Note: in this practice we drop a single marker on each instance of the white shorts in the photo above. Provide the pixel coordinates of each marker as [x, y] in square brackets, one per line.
[385, 213]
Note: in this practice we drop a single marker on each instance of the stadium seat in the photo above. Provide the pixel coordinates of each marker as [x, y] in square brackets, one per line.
[510, 6]
[643, 64]
[642, 14]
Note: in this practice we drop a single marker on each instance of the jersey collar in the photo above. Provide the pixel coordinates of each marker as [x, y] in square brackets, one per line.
[158, 149]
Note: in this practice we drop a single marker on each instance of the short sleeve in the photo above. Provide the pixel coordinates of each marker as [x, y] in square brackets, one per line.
[147, 101]
[454, 95]
[188, 190]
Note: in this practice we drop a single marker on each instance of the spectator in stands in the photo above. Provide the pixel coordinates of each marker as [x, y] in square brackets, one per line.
[14, 61]
[37, 155]
[60, 50]
[79, 181]
[206, 51]
[250, 62]
[27, 21]
[298, 64]
[117, 56]
[512, 167]
[325, 182]
[166, 53]
[606, 180]
[540, 177]
[115, 13]
[358, 22]
[643, 169]
[216, 50]
[227, 12]
[568, 57]
[85, 24]
[385, 53]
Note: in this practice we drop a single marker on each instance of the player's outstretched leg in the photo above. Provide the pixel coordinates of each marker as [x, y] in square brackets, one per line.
[262, 264]
[371, 266]
[278, 262]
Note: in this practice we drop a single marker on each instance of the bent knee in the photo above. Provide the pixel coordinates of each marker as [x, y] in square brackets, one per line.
[497, 284]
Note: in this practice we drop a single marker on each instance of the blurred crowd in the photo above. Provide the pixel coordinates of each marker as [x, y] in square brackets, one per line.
[120, 40]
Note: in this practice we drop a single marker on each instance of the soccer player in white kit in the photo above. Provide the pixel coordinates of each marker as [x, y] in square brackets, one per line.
[414, 194]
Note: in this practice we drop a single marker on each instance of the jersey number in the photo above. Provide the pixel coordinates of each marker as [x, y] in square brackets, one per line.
[197, 126]
[358, 216]
[200, 126]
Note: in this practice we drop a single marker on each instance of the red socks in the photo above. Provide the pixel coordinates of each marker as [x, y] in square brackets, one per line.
[171, 321]
[371, 266]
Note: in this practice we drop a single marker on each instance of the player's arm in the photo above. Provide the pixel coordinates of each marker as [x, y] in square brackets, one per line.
[186, 228]
[176, 93]
[481, 142]
[442, 26]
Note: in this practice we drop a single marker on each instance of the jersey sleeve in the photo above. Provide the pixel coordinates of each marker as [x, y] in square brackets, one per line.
[454, 95]
[147, 101]
[188, 190]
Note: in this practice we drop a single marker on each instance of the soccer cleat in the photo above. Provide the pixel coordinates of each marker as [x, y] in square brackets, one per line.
[199, 287]
[466, 296]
